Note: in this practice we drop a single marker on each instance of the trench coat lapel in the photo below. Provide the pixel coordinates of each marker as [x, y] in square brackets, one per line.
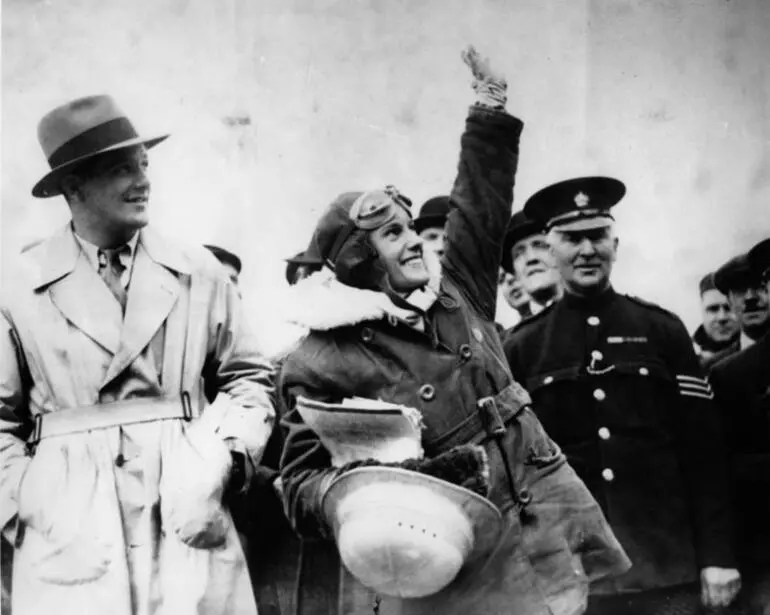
[152, 293]
[76, 289]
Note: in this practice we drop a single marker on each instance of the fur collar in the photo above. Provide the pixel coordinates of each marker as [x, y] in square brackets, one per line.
[322, 303]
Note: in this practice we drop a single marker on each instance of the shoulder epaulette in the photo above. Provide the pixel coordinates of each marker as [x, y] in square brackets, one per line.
[652, 306]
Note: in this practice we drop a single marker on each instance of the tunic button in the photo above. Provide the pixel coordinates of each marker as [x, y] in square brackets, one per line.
[548, 380]
[604, 433]
[367, 334]
[593, 321]
[644, 371]
[608, 475]
[525, 497]
[600, 395]
[427, 392]
[465, 352]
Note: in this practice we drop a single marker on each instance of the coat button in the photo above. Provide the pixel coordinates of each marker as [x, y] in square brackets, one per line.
[447, 302]
[600, 395]
[465, 352]
[604, 433]
[608, 475]
[525, 497]
[367, 334]
[548, 380]
[593, 321]
[427, 392]
[644, 371]
[597, 355]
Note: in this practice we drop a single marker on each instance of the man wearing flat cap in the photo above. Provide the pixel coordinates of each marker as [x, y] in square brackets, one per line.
[527, 256]
[616, 383]
[229, 260]
[719, 329]
[741, 384]
[749, 300]
[113, 463]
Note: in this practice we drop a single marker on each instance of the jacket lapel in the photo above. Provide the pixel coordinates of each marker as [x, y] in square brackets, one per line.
[152, 293]
[76, 289]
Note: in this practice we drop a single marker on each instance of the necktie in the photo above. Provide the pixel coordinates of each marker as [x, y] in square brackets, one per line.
[111, 270]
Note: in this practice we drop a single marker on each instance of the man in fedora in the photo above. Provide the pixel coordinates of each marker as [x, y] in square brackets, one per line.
[114, 465]
[741, 385]
[616, 383]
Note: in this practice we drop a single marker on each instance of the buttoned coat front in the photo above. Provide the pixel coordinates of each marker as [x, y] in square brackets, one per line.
[94, 515]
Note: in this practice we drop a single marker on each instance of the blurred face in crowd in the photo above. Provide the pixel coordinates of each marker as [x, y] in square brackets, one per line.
[533, 266]
[513, 290]
[400, 249]
[109, 197]
[751, 306]
[584, 258]
[719, 322]
[433, 239]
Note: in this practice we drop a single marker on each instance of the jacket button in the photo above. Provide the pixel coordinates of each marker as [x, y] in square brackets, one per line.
[427, 392]
[604, 433]
[465, 352]
[548, 380]
[644, 371]
[367, 334]
[593, 321]
[600, 395]
[447, 302]
[525, 497]
[608, 475]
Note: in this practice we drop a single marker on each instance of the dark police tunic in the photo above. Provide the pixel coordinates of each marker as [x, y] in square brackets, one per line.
[617, 385]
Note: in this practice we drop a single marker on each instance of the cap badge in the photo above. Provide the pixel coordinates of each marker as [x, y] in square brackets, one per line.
[581, 199]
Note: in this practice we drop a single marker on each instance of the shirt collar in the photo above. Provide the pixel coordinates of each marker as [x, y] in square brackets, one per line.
[92, 251]
[745, 342]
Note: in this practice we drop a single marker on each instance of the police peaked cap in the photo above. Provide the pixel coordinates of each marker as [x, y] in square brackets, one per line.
[575, 204]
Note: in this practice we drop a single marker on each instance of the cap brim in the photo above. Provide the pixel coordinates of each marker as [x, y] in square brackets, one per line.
[49, 185]
[583, 224]
[484, 515]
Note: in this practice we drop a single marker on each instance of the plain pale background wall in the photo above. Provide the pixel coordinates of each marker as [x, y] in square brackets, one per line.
[277, 106]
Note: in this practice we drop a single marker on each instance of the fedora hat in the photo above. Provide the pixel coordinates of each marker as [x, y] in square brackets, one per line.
[433, 213]
[79, 130]
[407, 534]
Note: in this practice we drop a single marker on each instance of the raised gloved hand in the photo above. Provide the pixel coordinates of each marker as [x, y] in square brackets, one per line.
[489, 85]
[465, 466]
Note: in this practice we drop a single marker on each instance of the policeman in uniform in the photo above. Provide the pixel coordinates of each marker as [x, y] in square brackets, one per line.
[526, 256]
[616, 383]
[741, 385]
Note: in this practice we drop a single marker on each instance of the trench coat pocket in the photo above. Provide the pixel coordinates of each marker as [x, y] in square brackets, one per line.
[66, 503]
[195, 470]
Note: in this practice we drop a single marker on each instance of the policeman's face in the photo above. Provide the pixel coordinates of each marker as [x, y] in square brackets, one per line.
[750, 304]
[584, 258]
[719, 321]
[513, 290]
[400, 251]
[433, 239]
[533, 264]
[114, 191]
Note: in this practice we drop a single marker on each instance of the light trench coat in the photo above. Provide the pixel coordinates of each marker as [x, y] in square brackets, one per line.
[109, 521]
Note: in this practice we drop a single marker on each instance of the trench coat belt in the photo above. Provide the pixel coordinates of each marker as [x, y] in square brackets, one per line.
[102, 416]
[492, 414]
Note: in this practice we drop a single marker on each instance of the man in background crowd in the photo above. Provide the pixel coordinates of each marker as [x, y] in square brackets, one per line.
[230, 261]
[527, 256]
[298, 267]
[749, 301]
[429, 225]
[719, 328]
[741, 384]
[512, 291]
[617, 385]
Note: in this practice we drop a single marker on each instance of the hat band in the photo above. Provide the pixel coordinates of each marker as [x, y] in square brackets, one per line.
[577, 215]
[93, 140]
